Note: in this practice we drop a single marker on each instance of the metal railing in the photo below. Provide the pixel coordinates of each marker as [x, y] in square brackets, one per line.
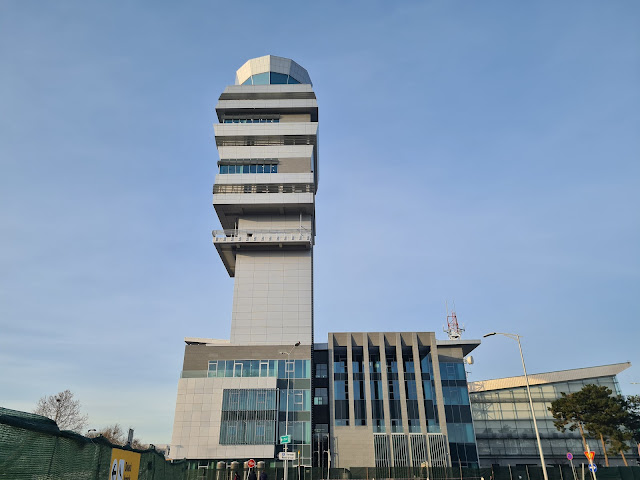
[262, 234]
[243, 188]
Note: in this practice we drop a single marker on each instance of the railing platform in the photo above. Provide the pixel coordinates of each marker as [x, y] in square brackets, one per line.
[227, 242]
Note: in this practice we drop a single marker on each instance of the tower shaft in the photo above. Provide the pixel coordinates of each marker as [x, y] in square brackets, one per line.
[264, 195]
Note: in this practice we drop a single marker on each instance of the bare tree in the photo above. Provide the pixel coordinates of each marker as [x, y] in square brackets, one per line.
[117, 435]
[114, 433]
[64, 410]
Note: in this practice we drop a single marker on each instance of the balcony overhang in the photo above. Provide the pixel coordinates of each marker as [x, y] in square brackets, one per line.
[229, 242]
[231, 206]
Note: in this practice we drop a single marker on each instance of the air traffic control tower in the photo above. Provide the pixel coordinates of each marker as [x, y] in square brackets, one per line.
[236, 397]
[264, 195]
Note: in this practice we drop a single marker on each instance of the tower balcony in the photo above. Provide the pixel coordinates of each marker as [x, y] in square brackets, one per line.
[227, 242]
[251, 194]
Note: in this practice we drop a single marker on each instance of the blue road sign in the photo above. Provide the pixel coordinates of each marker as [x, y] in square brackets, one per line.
[569, 456]
[593, 468]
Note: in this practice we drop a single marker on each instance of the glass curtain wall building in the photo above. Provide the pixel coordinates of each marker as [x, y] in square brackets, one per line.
[502, 416]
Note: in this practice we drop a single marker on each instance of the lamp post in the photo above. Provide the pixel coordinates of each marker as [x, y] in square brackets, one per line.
[516, 337]
[286, 417]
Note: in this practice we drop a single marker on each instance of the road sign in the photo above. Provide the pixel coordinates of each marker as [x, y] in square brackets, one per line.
[251, 463]
[284, 439]
[590, 456]
[569, 456]
[593, 468]
[287, 456]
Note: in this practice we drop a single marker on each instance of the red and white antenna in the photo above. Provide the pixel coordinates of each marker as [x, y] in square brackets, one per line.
[453, 330]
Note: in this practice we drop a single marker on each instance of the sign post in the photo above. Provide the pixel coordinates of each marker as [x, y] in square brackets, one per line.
[570, 458]
[592, 466]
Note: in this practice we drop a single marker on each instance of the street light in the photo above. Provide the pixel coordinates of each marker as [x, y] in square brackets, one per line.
[516, 337]
[286, 417]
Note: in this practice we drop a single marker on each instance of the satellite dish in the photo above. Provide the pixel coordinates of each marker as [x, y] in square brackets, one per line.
[469, 360]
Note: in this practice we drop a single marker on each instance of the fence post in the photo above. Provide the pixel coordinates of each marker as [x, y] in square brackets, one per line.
[53, 452]
[98, 462]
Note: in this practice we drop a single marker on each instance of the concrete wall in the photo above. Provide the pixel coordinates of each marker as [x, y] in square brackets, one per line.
[196, 426]
[274, 222]
[272, 298]
[301, 117]
[353, 447]
[294, 165]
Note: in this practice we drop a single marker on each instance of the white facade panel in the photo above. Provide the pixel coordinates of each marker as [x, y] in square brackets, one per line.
[265, 129]
[270, 104]
[262, 198]
[272, 298]
[266, 151]
[263, 178]
[196, 426]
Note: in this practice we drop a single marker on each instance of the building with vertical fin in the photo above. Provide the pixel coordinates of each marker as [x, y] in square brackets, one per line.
[397, 399]
[361, 399]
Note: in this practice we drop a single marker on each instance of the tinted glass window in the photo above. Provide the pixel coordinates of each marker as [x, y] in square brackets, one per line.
[278, 78]
[261, 79]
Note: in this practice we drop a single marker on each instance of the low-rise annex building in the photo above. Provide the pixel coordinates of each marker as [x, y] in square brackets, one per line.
[502, 416]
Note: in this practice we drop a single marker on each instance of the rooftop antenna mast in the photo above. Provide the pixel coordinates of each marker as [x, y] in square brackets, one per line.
[453, 330]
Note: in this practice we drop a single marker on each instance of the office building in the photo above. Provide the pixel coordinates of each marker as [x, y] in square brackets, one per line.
[396, 399]
[502, 416]
[379, 399]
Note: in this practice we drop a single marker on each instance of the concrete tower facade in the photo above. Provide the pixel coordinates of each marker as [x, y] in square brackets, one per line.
[236, 397]
[264, 195]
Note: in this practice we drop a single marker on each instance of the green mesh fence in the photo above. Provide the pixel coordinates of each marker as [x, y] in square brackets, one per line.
[32, 447]
[406, 473]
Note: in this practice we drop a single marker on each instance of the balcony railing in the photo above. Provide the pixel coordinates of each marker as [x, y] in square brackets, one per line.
[263, 235]
[263, 188]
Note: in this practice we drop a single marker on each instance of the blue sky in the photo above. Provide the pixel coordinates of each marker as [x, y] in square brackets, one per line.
[485, 153]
